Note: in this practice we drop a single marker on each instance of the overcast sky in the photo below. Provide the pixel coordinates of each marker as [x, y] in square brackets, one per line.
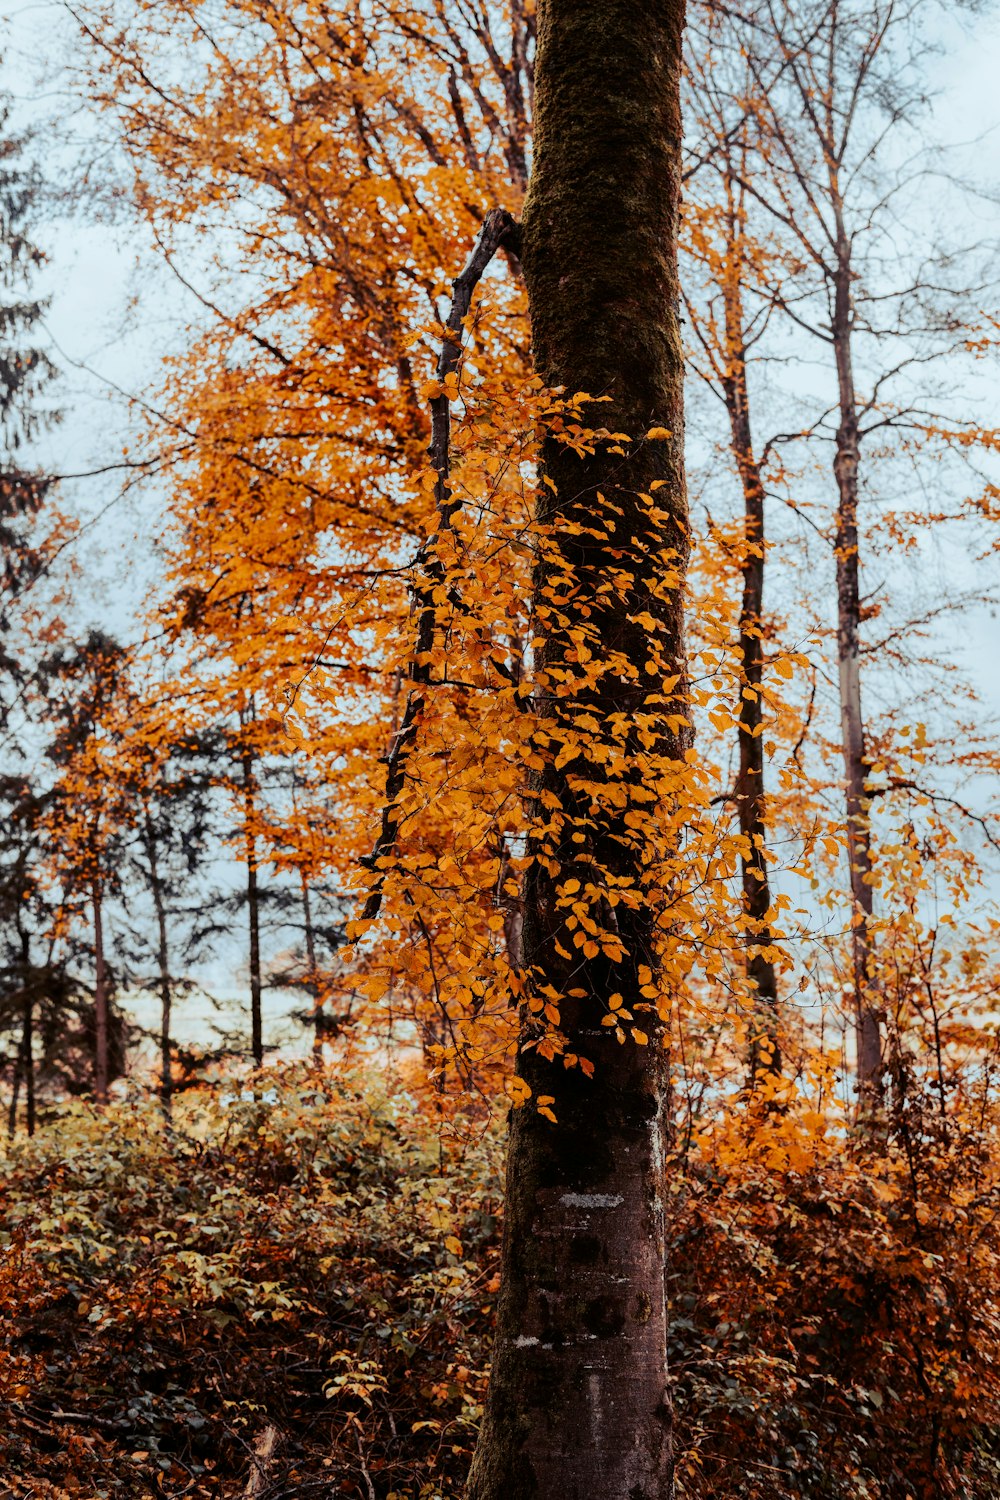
[114, 317]
[115, 314]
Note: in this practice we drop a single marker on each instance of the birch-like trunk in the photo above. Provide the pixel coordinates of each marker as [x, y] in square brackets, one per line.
[857, 797]
[578, 1407]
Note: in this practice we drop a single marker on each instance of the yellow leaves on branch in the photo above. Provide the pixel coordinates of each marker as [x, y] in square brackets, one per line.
[304, 516]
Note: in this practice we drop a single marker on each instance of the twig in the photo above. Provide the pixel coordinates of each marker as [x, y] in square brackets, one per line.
[263, 1454]
[364, 1469]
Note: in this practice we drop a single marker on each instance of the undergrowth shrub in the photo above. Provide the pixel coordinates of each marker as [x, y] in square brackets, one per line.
[320, 1260]
[836, 1312]
[310, 1274]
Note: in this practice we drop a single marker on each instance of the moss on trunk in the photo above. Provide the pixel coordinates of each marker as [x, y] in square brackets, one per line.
[578, 1406]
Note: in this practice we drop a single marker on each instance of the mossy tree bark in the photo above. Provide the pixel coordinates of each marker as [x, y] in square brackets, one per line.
[578, 1406]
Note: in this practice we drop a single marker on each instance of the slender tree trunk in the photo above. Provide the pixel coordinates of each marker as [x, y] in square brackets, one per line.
[320, 1018]
[24, 1063]
[100, 999]
[578, 1407]
[28, 1032]
[765, 1054]
[163, 965]
[858, 799]
[15, 1094]
[253, 908]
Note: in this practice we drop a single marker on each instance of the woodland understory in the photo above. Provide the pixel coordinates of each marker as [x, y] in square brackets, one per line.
[559, 674]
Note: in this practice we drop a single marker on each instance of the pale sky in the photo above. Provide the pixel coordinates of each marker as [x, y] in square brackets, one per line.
[118, 319]
[115, 314]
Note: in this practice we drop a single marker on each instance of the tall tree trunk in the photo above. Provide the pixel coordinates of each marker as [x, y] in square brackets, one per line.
[28, 1032]
[765, 1055]
[858, 799]
[253, 907]
[578, 1407]
[100, 999]
[163, 964]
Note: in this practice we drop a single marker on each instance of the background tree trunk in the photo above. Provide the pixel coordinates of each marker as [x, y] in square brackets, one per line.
[320, 1016]
[750, 801]
[100, 999]
[163, 962]
[845, 467]
[253, 909]
[28, 1031]
[578, 1406]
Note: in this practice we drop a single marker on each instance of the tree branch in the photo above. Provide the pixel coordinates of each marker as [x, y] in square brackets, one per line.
[500, 231]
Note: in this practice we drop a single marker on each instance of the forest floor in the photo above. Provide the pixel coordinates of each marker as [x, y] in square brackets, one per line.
[286, 1290]
[282, 1298]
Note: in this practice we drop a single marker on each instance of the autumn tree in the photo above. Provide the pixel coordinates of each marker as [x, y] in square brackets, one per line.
[811, 116]
[578, 1402]
[295, 484]
[727, 308]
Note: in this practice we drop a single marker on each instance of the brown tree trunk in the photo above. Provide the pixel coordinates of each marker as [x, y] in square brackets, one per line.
[15, 1094]
[28, 1032]
[253, 908]
[320, 1018]
[100, 999]
[765, 1055]
[858, 799]
[163, 965]
[24, 1065]
[578, 1407]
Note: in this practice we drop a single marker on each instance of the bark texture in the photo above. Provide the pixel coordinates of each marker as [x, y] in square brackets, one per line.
[750, 798]
[100, 1000]
[578, 1406]
[846, 465]
[253, 907]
